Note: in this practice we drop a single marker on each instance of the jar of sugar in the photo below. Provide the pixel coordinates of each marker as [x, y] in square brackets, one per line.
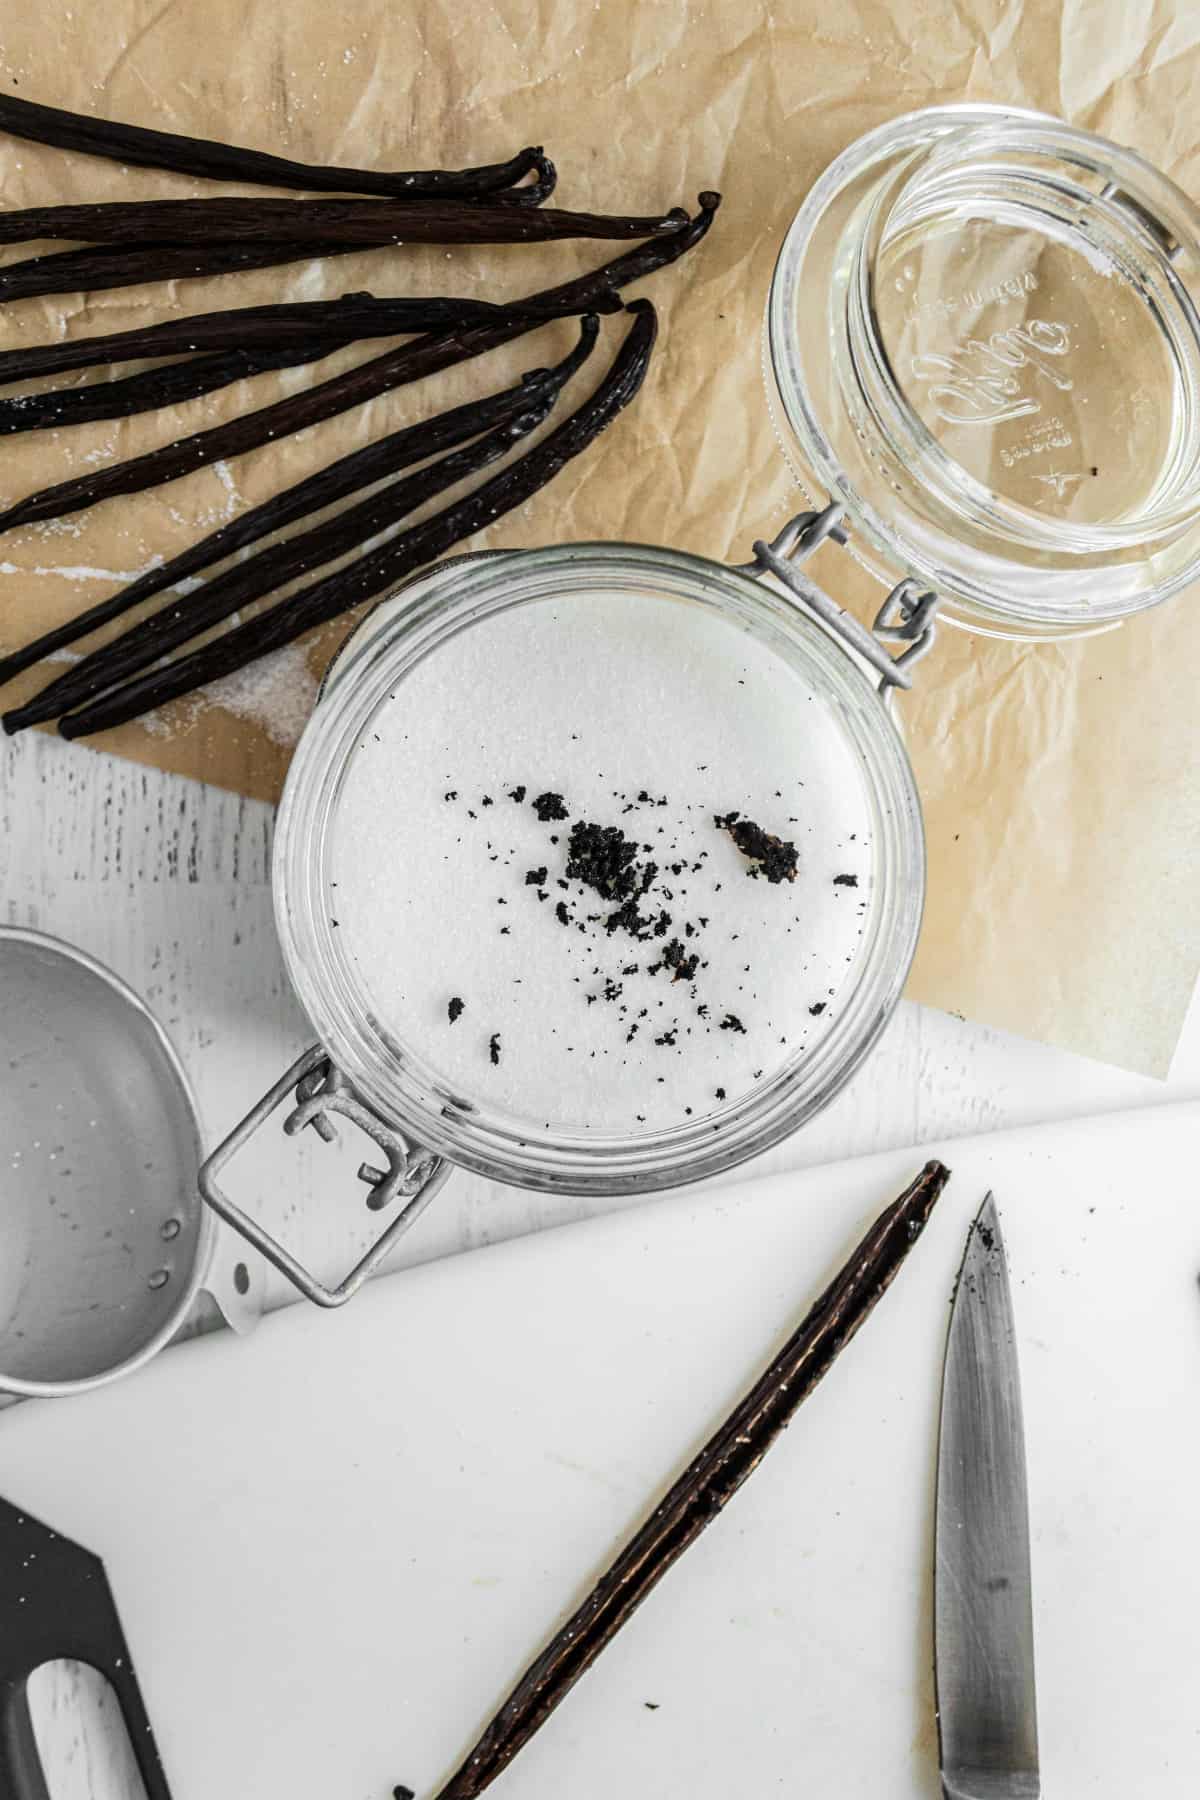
[600, 867]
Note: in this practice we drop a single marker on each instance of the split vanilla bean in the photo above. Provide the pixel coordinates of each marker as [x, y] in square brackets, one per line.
[706, 1485]
[248, 581]
[211, 160]
[380, 375]
[347, 319]
[368, 223]
[381, 568]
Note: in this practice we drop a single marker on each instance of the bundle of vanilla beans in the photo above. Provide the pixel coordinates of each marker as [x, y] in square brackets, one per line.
[123, 244]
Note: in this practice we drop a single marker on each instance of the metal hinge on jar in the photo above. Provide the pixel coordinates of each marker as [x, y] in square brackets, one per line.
[907, 616]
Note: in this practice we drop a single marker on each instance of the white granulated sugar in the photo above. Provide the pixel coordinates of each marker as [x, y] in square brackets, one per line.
[277, 694]
[224, 475]
[166, 721]
[82, 572]
[644, 714]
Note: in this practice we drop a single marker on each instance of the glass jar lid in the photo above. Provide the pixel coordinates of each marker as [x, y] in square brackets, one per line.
[600, 867]
[982, 339]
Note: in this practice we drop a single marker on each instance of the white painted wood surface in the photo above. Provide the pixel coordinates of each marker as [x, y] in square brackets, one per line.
[335, 1549]
[169, 883]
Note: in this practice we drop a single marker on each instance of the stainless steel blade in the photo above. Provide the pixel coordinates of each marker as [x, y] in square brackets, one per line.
[983, 1616]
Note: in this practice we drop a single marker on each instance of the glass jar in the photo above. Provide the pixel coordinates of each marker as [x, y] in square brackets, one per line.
[981, 345]
[381, 1074]
[982, 341]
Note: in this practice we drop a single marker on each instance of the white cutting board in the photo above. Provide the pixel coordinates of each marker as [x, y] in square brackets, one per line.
[335, 1546]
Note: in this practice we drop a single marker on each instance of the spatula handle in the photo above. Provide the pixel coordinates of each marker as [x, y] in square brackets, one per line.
[55, 1605]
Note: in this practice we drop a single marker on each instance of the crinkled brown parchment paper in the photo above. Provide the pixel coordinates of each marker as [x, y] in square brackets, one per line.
[1061, 783]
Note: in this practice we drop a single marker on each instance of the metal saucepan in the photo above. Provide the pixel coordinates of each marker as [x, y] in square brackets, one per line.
[106, 1242]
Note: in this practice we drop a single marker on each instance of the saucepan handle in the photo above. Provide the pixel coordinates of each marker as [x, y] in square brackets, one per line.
[411, 1179]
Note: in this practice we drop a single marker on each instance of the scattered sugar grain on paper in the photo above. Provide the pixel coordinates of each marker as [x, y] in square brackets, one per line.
[224, 475]
[277, 694]
[167, 721]
[82, 571]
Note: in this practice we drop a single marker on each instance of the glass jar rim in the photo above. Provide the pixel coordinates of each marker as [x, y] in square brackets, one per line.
[877, 538]
[410, 625]
[1054, 141]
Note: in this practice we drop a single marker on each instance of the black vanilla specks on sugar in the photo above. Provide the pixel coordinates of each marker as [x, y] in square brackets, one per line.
[606, 884]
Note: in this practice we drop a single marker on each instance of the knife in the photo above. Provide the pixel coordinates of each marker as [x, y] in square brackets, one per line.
[983, 1614]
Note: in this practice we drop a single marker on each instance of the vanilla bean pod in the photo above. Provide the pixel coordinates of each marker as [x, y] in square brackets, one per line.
[393, 369]
[633, 265]
[158, 240]
[149, 149]
[245, 582]
[359, 469]
[96, 270]
[382, 568]
[706, 1485]
[237, 220]
[347, 319]
[153, 389]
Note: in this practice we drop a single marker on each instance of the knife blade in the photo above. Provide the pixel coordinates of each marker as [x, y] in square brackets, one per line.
[983, 1613]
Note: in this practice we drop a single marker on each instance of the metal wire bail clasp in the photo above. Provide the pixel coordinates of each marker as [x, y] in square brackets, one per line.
[321, 1089]
[907, 615]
